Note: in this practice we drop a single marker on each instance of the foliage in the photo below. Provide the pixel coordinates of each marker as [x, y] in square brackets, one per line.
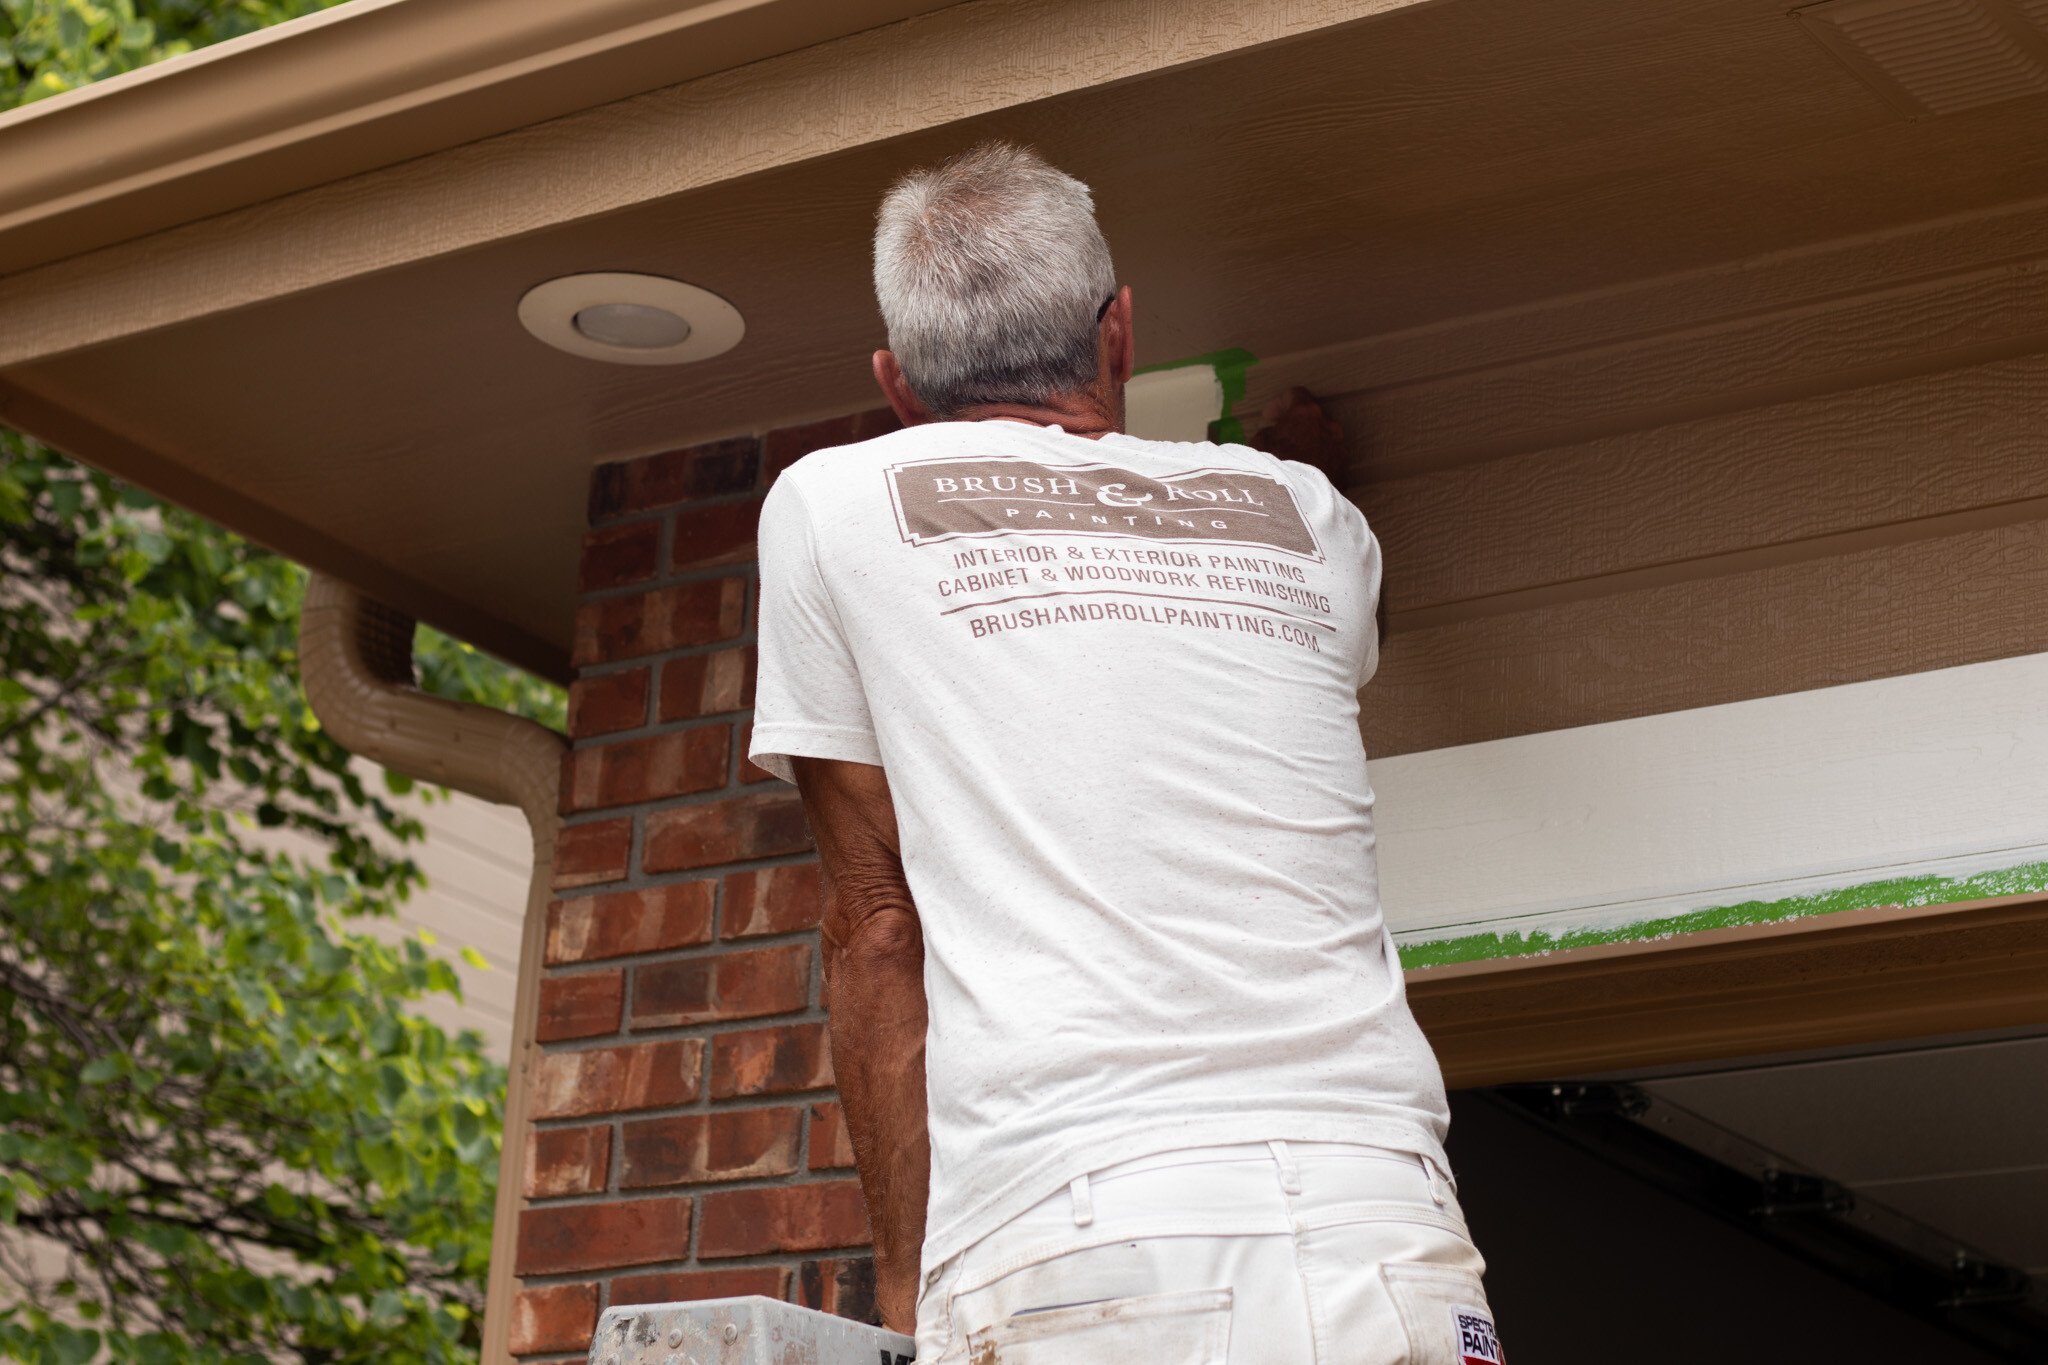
[213, 1093]
[50, 46]
[211, 1090]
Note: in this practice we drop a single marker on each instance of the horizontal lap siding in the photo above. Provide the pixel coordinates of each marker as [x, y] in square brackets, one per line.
[1661, 377]
[1861, 532]
[1878, 456]
[1701, 641]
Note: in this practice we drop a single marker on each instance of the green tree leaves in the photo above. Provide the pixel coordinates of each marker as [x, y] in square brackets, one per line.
[213, 1096]
[215, 1101]
[50, 46]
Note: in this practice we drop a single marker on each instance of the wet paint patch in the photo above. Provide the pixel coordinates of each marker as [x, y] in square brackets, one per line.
[1231, 367]
[2027, 879]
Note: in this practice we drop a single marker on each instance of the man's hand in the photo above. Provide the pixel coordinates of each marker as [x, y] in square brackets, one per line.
[1297, 428]
[874, 991]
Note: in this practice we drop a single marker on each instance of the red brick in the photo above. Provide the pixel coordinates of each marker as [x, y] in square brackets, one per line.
[831, 1145]
[613, 629]
[682, 1286]
[733, 1144]
[750, 771]
[618, 555]
[674, 764]
[568, 1237]
[554, 1317]
[588, 854]
[563, 1161]
[782, 1218]
[706, 684]
[844, 1286]
[607, 703]
[755, 826]
[674, 476]
[587, 1005]
[702, 990]
[772, 900]
[770, 1061]
[781, 449]
[616, 1080]
[720, 534]
[617, 923]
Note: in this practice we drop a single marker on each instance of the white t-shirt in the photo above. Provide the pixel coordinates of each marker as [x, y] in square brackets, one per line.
[1113, 684]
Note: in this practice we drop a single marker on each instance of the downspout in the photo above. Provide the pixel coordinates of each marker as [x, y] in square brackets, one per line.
[355, 662]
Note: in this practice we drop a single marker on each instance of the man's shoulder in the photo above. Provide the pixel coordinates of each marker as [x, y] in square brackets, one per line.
[1312, 488]
[841, 491]
[853, 458]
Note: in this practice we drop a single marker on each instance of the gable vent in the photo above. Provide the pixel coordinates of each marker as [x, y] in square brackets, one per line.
[1932, 57]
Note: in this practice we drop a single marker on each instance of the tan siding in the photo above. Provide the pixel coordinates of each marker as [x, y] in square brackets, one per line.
[863, 89]
[1879, 456]
[1743, 362]
[1844, 618]
[1806, 276]
[477, 857]
[1844, 487]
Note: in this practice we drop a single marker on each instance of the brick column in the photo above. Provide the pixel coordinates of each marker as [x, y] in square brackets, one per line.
[686, 1139]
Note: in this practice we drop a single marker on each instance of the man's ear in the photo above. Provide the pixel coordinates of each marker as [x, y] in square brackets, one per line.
[1118, 342]
[902, 401]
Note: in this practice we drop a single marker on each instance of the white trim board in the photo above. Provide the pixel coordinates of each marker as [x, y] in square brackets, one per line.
[1940, 776]
[1176, 403]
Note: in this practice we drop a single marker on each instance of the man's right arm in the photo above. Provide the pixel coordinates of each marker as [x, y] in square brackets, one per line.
[874, 991]
[1297, 428]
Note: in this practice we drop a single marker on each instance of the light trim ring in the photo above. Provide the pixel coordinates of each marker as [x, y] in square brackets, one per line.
[549, 312]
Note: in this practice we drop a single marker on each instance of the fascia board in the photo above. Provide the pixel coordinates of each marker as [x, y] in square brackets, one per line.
[958, 62]
[354, 88]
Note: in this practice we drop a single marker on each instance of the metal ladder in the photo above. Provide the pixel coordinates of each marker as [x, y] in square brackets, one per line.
[748, 1331]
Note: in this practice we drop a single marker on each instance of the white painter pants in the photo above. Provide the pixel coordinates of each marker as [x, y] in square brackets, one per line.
[1258, 1254]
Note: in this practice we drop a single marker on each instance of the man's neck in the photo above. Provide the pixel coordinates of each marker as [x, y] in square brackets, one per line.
[1080, 414]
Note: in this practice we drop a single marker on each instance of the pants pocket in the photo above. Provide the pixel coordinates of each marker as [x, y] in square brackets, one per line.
[1190, 1328]
[1443, 1314]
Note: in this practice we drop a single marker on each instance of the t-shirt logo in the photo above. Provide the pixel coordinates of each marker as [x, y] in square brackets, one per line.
[939, 500]
[1478, 1343]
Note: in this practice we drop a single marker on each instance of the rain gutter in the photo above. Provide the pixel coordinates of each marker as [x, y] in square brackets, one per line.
[355, 662]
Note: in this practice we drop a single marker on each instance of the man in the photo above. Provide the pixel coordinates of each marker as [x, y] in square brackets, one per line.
[1120, 1036]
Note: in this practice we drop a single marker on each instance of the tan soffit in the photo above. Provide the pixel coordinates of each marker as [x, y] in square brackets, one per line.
[350, 89]
[341, 372]
[953, 64]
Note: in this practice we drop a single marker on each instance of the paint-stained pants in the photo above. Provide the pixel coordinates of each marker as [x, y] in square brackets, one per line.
[1265, 1254]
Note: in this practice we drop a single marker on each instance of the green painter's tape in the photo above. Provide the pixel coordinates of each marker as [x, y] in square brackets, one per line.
[2013, 881]
[1230, 367]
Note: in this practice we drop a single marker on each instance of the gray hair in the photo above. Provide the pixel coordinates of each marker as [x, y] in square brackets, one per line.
[991, 273]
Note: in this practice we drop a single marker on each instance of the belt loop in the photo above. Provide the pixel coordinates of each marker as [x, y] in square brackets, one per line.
[1290, 1174]
[1438, 1181]
[1084, 1206]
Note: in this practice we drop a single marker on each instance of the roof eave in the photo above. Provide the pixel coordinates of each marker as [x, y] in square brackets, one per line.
[350, 89]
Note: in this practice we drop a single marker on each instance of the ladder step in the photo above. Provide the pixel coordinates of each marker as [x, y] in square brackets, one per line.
[748, 1331]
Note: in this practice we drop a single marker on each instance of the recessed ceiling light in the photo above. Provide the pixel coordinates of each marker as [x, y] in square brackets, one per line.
[641, 326]
[631, 319]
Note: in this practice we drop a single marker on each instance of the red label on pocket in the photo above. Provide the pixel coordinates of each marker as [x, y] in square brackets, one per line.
[1478, 1343]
